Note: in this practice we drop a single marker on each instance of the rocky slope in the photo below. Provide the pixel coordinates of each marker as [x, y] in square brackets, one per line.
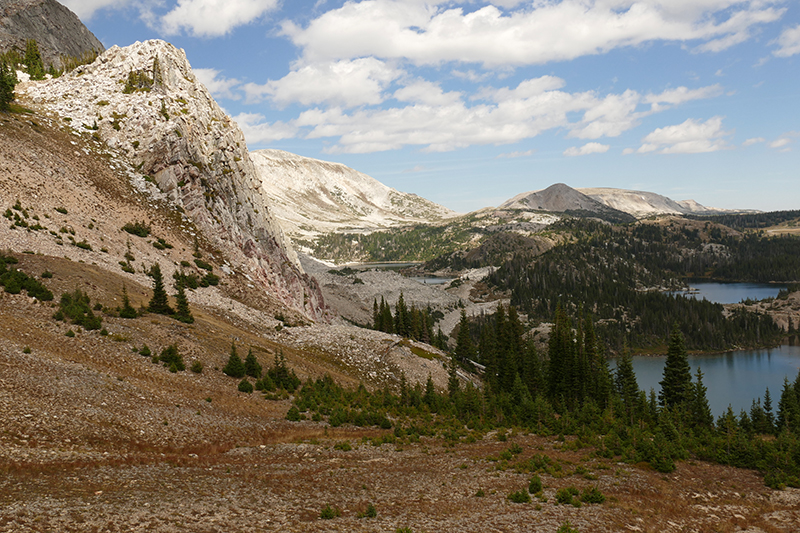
[642, 204]
[168, 129]
[56, 29]
[310, 197]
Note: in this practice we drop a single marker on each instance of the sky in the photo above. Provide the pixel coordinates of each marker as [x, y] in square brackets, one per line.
[468, 103]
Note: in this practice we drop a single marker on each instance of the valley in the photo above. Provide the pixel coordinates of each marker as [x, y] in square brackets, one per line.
[368, 400]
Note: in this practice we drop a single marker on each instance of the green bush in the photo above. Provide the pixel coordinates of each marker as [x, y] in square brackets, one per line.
[329, 512]
[344, 446]
[145, 351]
[592, 495]
[370, 512]
[520, 496]
[565, 495]
[566, 527]
[140, 229]
[197, 367]
[535, 486]
[172, 359]
[245, 386]
[75, 305]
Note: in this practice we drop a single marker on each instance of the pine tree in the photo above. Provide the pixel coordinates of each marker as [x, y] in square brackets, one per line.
[676, 385]
[182, 311]
[430, 393]
[465, 349]
[234, 367]
[251, 365]
[377, 324]
[627, 387]
[33, 60]
[159, 303]
[127, 310]
[699, 408]
[788, 409]
[453, 384]
[8, 80]
[770, 416]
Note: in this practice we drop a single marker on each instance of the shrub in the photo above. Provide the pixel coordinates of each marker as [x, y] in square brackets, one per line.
[70, 333]
[202, 264]
[329, 512]
[145, 351]
[370, 512]
[127, 310]
[519, 496]
[172, 359]
[565, 495]
[47, 274]
[75, 306]
[535, 485]
[592, 495]
[61, 210]
[26, 349]
[343, 446]
[140, 229]
[245, 386]
[294, 414]
[197, 367]
[566, 527]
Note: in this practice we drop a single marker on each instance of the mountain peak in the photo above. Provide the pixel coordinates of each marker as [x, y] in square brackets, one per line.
[144, 102]
[311, 196]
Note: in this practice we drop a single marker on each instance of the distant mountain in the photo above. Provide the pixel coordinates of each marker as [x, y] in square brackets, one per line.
[561, 198]
[615, 205]
[310, 197]
[56, 29]
[643, 204]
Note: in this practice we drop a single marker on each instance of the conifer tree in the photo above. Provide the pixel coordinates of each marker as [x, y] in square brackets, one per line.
[430, 393]
[465, 349]
[8, 80]
[770, 416]
[676, 384]
[788, 408]
[182, 311]
[159, 303]
[376, 316]
[234, 367]
[627, 387]
[699, 409]
[251, 365]
[453, 384]
[33, 60]
[127, 310]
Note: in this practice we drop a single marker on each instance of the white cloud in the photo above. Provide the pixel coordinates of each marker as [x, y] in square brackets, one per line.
[780, 143]
[689, 137]
[753, 140]
[681, 95]
[514, 155]
[213, 18]
[586, 149]
[219, 86]
[415, 169]
[442, 121]
[471, 75]
[426, 92]
[534, 33]
[346, 83]
[789, 42]
[256, 130]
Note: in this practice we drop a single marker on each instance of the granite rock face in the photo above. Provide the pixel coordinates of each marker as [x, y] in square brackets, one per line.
[56, 29]
[171, 130]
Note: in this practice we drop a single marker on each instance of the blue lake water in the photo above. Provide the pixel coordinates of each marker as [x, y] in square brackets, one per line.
[731, 293]
[733, 378]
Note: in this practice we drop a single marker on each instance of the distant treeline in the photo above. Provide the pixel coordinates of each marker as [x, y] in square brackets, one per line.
[750, 220]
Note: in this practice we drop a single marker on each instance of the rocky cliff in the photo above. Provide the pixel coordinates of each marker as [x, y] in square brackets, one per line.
[561, 198]
[310, 197]
[56, 29]
[144, 102]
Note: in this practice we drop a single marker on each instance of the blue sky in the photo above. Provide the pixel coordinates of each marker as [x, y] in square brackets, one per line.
[469, 103]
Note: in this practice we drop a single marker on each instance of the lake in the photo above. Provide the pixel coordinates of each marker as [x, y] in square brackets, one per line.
[731, 293]
[735, 378]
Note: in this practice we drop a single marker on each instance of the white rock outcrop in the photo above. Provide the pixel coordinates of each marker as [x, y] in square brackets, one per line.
[171, 129]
